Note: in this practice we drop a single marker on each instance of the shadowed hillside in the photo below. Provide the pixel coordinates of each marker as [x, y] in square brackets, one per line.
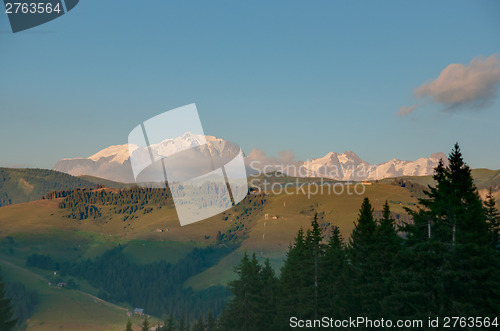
[23, 185]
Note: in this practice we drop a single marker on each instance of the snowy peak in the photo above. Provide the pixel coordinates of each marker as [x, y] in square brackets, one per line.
[349, 166]
[114, 162]
[116, 153]
[121, 153]
[344, 166]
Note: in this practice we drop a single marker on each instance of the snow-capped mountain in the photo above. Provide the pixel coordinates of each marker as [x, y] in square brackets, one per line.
[348, 166]
[345, 166]
[114, 162]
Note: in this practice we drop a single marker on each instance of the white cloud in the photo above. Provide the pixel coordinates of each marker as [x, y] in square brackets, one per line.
[474, 86]
[462, 87]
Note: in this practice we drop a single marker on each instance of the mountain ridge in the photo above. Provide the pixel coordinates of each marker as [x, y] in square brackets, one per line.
[114, 163]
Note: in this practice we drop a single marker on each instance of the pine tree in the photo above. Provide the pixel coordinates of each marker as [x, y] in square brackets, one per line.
[452, 212]
[473, 283]
[129, 325]
[493, 219]
[145, 324]
[300, 291]
[361, 250]
[419, 282]
[268, 296]
[362, 240]
[199, 325]
[243, 311]
[182, 323]
[386, 235]
[169, 323]
[447, 262]
[7, 321]
[314, 252]
[211, 324]
[292, 283]
[387, 245]
[424, 219]
[333, 278]
[466, 211]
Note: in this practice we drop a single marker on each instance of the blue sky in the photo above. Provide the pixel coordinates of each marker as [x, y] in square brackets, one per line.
[310, 77]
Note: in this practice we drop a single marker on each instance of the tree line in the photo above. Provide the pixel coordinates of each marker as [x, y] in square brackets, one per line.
[445, 262]
[86, 203]
[16, 304]
[156, 287]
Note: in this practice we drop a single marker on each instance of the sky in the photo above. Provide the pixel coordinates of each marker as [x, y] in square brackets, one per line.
[385, 79]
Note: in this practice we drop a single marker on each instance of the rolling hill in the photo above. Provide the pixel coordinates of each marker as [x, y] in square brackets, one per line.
[23, 185]
[158, 235]
[145, 225]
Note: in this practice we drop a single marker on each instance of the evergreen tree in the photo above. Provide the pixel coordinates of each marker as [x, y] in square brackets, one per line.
[333, 278]
[199, 325]
[447, 262]
[387, 238]
[23, 300]
[129, 325]
[243, 311]
[314, 252]
[419, 282]
[300, 289]
[452, 212]
[387, 245]
[145, 324]
[211, 324]
[268, 296]
[7, 321]
[362, 240]
[424, 219]
[361, 250]
[473, 283]
[465, 210]
[169, 323]
[492, 219]
[182, 323]
[445, 266]
[292, 283]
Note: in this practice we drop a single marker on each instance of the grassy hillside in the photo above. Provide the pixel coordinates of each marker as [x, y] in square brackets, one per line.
[270, 238]
[42, 227]
[264, 224]
[64, 309]
[23, 185]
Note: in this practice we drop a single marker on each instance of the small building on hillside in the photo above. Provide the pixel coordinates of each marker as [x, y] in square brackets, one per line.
[139, 311]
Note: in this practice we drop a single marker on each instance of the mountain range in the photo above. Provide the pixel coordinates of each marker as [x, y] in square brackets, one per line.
[114, 163]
